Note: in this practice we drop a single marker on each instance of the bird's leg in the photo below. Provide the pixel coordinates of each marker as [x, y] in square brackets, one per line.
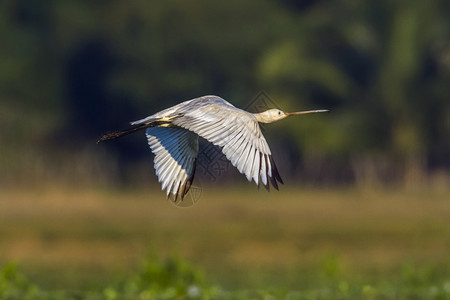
[164, 121]
[119, 133]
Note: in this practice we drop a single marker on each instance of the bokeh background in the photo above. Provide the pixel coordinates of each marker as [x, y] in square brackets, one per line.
[365, 207]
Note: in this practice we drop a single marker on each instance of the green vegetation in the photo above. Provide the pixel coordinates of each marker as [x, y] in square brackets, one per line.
[235, 244]
[175, 279]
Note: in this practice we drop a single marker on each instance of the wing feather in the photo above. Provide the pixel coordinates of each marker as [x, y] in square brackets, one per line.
[242, 157]
[249, 164]
[175, 151]
[263, 171]
[238, 150]
[238, 134]
[231, 147]
[256, 167]
[166, 180]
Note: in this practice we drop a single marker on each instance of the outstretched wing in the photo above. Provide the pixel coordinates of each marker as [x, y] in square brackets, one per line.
[175, 151]
[238, 134]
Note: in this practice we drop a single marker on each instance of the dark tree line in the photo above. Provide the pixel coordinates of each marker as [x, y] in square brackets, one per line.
[70, 70]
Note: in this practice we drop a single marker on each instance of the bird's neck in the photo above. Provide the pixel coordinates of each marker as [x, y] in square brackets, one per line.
[269, 116]
[263, 117]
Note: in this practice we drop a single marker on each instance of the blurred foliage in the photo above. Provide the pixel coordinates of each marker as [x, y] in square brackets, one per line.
[162, 279]
[176, 279]
[70, 70]
[13, 285]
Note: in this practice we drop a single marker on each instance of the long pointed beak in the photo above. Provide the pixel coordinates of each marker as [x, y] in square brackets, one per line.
[307, 112]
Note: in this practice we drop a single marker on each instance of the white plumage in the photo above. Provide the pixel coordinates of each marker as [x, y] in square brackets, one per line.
[175, 153]
[173, 133]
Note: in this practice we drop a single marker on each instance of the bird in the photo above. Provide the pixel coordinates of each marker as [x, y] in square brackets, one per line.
[173, 136]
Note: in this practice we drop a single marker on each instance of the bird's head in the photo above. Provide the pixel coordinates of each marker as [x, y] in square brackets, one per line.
[273, 115]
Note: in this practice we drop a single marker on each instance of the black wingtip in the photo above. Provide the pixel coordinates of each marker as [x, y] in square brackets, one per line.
[184, 189]
[275, 175]
[273, 181]
[267, 187]
[275, 170]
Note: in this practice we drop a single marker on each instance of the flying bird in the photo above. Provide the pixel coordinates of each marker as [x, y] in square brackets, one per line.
[172, 135]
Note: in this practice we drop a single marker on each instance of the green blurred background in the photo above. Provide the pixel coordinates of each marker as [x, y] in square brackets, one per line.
[71, 70]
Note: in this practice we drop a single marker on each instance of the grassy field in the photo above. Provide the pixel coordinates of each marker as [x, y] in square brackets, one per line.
[234, 243]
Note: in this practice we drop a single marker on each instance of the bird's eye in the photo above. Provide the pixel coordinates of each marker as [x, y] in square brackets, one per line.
[279, 113]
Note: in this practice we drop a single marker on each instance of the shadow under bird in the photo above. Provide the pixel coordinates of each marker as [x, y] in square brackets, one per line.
[173, 138]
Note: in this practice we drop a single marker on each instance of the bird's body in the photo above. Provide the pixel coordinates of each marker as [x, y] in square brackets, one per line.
[173, 133]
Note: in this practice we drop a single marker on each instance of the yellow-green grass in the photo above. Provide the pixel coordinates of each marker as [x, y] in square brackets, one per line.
[79, 238]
